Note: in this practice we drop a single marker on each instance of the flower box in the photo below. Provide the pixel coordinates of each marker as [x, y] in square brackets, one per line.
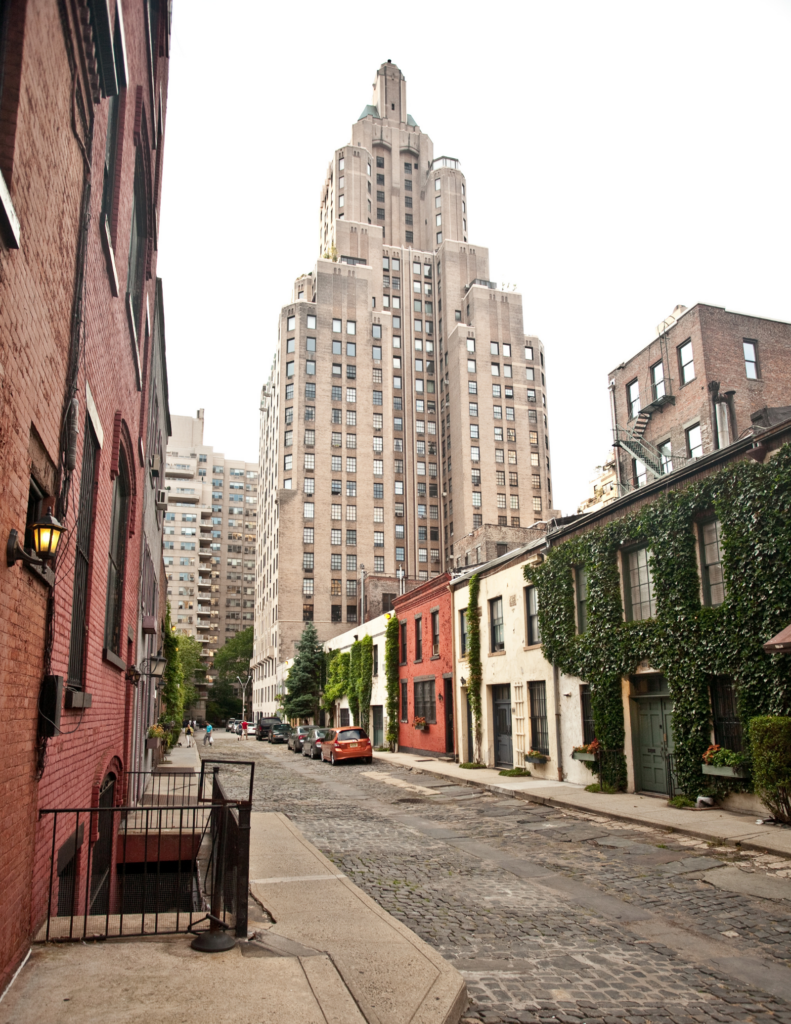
[726, 770]
[581, 755]
[536, 759]
[421, 728]
[154, 743]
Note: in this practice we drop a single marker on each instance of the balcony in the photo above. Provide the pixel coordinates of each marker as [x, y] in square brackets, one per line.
[180, 470]
[483, 284]
[183, 494]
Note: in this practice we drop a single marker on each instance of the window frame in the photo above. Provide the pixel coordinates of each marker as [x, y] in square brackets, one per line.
[496, 625]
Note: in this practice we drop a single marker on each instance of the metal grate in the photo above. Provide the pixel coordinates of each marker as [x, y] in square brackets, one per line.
[539, 729]
[727, 726]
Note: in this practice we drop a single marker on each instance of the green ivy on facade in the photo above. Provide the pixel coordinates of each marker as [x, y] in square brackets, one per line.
[688, 643]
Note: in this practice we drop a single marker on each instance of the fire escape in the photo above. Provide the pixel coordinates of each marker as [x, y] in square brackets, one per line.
[632, 441]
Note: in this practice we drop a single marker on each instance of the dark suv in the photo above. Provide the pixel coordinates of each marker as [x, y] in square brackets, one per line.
[263, 725]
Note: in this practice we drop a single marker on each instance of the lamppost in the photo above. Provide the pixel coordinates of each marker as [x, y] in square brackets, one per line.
[362, 592]
[244, 686]
[400, 576]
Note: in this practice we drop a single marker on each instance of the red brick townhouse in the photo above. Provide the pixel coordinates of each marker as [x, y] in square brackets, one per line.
[426, 668]
[83, 96]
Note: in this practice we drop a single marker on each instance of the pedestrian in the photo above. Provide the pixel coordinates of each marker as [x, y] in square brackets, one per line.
[207, 738]
[188, 734]
[243, 733]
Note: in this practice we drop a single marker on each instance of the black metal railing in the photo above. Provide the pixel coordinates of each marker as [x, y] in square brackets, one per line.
[175, 860]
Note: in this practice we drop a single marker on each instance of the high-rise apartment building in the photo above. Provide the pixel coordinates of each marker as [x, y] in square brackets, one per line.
[405, 406]
[210, 537]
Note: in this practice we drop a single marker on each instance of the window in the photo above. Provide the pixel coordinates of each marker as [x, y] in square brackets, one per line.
[310, 438]
[471, 366]
[498, 433]
[495, 369]
[308, 510]
[351, 513]
[474, 431]
[336, 511]
[336, 537]
[475, 453]
[310, 485]
[351, 372]
[138, 244]
[400, 553]
[307, 535]
[536, 504]
[351, 538]
[539, 730]
[119, 529]
[403, 643]
[290, 369]
[657, 380]
[513, 501]
[581, 582]
[686, 364]
[404, 690]
[633, 399]
[435, 633]
[307, 587]
[640, 586]
[351, 616]
[425, 700]
[90, 449]
[694, 442]
[713, 580]
[496, 625]
[335, 585]
[750, 359]
[725, 716]
[379, 539]
[531, 606]
[418, 639]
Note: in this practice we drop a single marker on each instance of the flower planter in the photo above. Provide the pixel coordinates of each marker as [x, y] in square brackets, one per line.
[727, 771]
[421, 728]
[581, 755]
[153, 744]
[536, 760]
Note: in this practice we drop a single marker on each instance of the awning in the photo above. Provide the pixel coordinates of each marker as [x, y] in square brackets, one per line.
[780, 644]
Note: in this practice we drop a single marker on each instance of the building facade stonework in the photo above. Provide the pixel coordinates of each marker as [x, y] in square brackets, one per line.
[210, 537]
[405, 405]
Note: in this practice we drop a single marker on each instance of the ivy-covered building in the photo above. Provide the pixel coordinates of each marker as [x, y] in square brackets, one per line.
[661, 603]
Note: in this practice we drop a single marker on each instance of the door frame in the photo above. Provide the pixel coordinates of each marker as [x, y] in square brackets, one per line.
[497, 762]
[642, 688]
[447, 699]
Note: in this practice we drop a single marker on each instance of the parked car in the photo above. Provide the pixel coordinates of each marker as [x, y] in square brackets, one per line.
[263, 725]
[230, 724]
[297, 736]
[311, 744]
[346, 744]
[279, 733]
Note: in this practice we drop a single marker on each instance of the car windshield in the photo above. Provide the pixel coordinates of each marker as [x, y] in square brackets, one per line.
[279, 728]
[320, 734]
[352, 734]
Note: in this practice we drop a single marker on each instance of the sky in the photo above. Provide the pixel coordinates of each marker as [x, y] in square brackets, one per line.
[620, 158]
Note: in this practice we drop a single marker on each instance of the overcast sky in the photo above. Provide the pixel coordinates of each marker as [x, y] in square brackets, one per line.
[620, 157]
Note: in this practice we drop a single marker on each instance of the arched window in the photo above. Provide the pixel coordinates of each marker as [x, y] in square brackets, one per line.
[119, 528]
[135, 278]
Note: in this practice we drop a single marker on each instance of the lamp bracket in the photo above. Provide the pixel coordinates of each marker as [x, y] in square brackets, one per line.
[16, 553]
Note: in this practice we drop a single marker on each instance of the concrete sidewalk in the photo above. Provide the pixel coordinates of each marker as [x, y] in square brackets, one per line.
[322, 953]
[717, 825]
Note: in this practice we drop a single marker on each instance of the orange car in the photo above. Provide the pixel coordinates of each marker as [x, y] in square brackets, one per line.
[345, 744]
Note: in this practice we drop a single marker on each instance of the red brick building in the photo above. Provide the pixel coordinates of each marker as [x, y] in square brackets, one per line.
[695, 389]
[426, 659]
[82, 114]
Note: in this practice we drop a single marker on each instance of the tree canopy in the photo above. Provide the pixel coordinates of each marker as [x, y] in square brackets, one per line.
[234, 657]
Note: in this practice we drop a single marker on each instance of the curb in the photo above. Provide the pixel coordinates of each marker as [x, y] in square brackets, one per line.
[745, 844]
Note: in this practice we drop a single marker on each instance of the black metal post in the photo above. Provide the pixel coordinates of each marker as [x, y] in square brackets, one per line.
[242, 871]
[217, 939]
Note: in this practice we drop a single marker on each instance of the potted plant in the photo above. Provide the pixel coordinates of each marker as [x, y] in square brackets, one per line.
[156, 736]
[587, 751]
[420, 723]
[732, 764]
[536, 757]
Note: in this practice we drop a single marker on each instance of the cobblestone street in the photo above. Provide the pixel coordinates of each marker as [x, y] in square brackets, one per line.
[548, 914]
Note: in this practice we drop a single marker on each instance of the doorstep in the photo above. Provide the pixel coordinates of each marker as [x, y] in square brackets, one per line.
[717, 825]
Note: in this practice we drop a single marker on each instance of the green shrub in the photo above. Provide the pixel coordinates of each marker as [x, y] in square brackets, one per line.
[770, 740]
[471, 764]
[680, 802]
[515, 772]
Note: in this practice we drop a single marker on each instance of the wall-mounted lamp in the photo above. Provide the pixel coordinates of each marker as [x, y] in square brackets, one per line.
[441, 698]
[46, 538]
[153, 667]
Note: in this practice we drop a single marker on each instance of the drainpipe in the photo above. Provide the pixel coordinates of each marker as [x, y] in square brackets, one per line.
[556, 686]
[732, 417]
[714, 391]
[614, 419]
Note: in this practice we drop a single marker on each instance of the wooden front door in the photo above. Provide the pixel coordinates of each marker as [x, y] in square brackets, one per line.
[503, 737]
[450, 745]
[654, 742]
[377, 725]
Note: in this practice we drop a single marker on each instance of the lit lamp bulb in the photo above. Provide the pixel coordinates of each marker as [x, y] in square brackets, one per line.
[46, 535]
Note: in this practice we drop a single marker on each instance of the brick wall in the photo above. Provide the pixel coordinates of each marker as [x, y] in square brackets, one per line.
[431, 596]
[38, 286]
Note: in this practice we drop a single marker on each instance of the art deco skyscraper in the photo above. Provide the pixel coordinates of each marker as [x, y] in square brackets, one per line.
[405, 406]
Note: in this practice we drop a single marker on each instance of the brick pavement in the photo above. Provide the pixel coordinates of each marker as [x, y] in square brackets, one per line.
[527, 951]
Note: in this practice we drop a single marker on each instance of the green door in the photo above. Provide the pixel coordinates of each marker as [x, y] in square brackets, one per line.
[654, 742]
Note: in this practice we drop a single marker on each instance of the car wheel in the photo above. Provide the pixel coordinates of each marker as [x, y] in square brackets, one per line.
[367, 760]
[332, 759]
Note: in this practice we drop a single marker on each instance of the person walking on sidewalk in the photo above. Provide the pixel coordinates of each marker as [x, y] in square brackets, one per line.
[243, 730]
[207, 735]
[188, 734]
